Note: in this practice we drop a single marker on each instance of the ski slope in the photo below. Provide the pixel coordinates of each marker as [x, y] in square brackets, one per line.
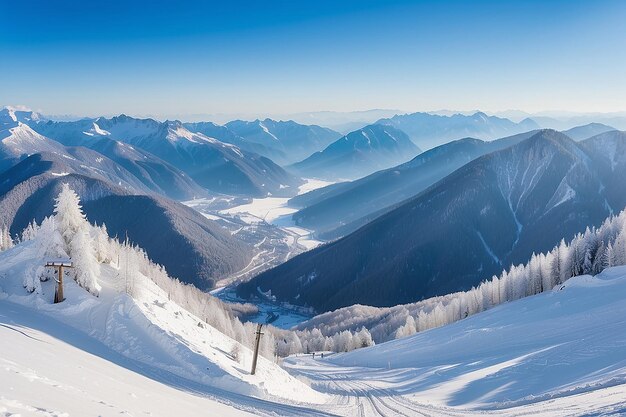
[136, 355]
[48, 369]
[557, 353]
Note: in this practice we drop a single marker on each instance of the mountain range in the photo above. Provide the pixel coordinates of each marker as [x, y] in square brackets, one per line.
[492, 212]
[359, 153]
[120, 186]
[341, 208]
[212, 164]
[583, 132]
[428, 130]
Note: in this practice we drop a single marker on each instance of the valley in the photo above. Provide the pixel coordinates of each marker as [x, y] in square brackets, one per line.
[380, 208]
[263, 223]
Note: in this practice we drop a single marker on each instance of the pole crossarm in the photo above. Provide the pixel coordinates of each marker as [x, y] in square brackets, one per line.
[67, 263]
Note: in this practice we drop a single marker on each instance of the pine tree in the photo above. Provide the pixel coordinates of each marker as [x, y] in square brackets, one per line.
[6, 242]
[74, 229]
[29, 232]
[86, 267]
[49, 239]
[68, 214]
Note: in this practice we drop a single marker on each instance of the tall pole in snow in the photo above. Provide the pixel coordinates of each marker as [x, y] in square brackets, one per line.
[60, 264]
[256, 348]
[58, 296]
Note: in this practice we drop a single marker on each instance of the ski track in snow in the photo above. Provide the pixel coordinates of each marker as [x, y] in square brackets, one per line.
[560, 353]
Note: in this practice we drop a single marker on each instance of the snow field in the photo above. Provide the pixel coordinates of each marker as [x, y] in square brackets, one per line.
[557, 353]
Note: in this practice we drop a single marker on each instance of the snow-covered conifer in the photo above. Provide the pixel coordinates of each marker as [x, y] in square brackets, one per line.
[6, 242]
[29, 231]
[69, 214]
[74, 229]
[86, 266]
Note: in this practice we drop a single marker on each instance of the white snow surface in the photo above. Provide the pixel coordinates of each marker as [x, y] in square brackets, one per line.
[134, 349]
[274, 210]
[557, 353]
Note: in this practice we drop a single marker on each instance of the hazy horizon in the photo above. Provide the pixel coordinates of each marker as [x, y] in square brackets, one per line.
[338, 116]
[147, 58]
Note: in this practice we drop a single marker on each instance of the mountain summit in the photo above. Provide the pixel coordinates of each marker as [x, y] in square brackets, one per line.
[359, 153]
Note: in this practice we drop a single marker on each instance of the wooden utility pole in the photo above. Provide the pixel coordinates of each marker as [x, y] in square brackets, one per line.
[58, 294]
[59, 263]
[256, 347]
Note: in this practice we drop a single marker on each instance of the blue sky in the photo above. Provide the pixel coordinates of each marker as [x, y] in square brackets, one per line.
[263, 57]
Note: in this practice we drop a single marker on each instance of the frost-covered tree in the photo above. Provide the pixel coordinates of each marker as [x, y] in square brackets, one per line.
[29, 231]
[69, 214]
[129, 268]
[74, 229]
[50, 245]
[86, 267]
[101, 242]
[6, 242]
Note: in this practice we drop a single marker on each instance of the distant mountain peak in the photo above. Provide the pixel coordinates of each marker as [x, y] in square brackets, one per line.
[11, 115]
[361, 152]
[429, 130]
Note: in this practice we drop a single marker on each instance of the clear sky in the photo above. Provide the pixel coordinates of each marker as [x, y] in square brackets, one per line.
[187, 57]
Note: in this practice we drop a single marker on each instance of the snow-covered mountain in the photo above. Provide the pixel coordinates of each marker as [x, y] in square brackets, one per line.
[213, 164]
[154, 173]
[204, 251]
[492, 212]
[11, 115]
[285, 142]
[359, 153]
[340, 209]
[429, 130]
[18, 140]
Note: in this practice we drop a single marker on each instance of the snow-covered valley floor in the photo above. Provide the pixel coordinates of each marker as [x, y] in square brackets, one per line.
[265, 224]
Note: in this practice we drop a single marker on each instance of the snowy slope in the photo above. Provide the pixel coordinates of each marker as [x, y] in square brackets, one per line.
[18, 141]
[148, 334]
[38, 380]
[557, 353]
